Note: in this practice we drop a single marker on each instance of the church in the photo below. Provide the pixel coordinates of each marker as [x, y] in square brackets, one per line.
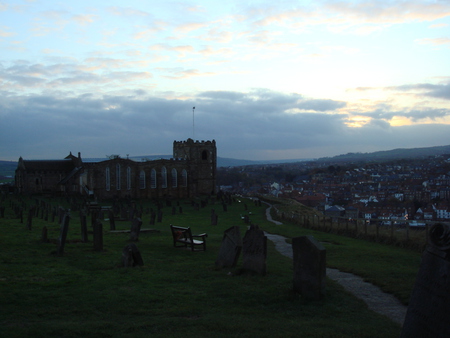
[189, 173]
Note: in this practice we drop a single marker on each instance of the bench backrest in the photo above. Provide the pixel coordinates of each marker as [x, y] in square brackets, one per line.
[180, 232]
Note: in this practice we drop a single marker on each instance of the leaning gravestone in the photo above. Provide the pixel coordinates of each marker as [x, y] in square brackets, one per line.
[98, 236]
[309, 257]
[63, 234]
[135, 229]
[230, 249]
[428, 312]
[254, 251]
[131, 256]
[84, 230]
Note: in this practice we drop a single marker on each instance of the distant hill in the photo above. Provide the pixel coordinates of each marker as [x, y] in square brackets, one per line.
[395, 154]
[7, 168]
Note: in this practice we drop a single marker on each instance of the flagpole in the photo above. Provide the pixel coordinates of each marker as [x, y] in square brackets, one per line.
[193, 123]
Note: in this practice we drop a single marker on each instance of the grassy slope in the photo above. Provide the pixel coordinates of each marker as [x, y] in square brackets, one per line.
[176, 293]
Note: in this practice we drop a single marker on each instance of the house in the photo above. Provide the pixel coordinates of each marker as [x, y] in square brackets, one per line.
[191, 172]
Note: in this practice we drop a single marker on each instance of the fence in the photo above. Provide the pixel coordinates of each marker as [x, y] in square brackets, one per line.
[400, 234]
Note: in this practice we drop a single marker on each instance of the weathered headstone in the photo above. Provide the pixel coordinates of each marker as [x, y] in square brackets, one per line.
[131, 256]
[135, 229]
[254, 251]
[84, 231]
[309, 258]
[152, 218]
[428, 313]
[230, 249]
[160, 216]
[214, 217]
[30, 218]
[44, 237]
[112, 221]
[98, 236]
[63, 234]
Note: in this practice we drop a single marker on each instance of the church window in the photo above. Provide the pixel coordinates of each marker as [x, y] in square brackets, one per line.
[184, 178]
[128, 178]
[163, 177]
[142, 179]
[108, 179]
[153, 179]
[118, 176]
[174, 178]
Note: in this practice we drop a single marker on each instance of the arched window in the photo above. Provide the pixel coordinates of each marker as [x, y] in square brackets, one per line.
[184, 178]
[153, 179]
[174, 178]
[142, 179]
[107, 179]
[128, 178]
[118, 176]
[204, 155]
[163, 177]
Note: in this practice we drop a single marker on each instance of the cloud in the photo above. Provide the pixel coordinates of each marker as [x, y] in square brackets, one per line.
[252, 125]
[434, 41]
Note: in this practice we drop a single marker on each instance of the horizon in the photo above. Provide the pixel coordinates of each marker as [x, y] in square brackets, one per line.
[268, 81]
[105, 157]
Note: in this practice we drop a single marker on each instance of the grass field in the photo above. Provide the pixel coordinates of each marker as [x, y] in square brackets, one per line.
[179, 293]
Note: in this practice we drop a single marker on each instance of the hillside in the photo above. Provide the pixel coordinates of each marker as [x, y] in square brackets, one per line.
[395, 154]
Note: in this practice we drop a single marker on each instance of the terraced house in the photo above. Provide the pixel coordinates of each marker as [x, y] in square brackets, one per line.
[191, 172]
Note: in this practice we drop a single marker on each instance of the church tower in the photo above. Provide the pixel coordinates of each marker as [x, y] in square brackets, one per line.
[202, 161]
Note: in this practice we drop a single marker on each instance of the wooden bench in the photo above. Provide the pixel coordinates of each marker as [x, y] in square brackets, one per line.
[186, 238]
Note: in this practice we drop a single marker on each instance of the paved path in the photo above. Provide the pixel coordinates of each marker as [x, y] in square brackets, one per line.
[373, 296]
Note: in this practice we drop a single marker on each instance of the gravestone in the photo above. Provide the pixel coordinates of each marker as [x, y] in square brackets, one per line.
[135, 229]
[254, 247]
[63, 234]
[98, 236]
[152, 218]
[214, 217]
[309, 258]
[84, 231]
[112, 221]
[224, 207]
[44, 237]
[230, 249]
[160, 216]
[428, 313]
[131, 256]
[30, 218]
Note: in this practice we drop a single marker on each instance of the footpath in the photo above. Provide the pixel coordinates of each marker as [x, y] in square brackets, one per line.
[377, 300]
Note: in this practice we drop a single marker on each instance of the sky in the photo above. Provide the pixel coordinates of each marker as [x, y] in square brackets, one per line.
[268, 80]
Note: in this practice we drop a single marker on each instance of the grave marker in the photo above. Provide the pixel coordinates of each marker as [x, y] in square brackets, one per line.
[309, 258]
[131, 256]
[230, 249]
[254, 251]
[428, 313]
[98, 236]
[63, 234]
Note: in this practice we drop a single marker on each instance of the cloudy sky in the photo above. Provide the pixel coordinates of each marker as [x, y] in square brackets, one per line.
[268, 80]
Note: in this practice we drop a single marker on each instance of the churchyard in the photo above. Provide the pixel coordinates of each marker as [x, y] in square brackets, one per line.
[85, 287]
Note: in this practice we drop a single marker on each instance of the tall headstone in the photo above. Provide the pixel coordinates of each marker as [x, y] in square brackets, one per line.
[135, 229]
[84, 230]
[230, 249]
[63, 234]
[30, 218]
[428, 313]
[309, 258]
[131, 256]
[112, 221]
[254, 251]
[98, 236]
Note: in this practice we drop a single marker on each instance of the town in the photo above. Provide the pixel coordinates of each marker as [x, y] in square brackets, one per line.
[394, 191]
